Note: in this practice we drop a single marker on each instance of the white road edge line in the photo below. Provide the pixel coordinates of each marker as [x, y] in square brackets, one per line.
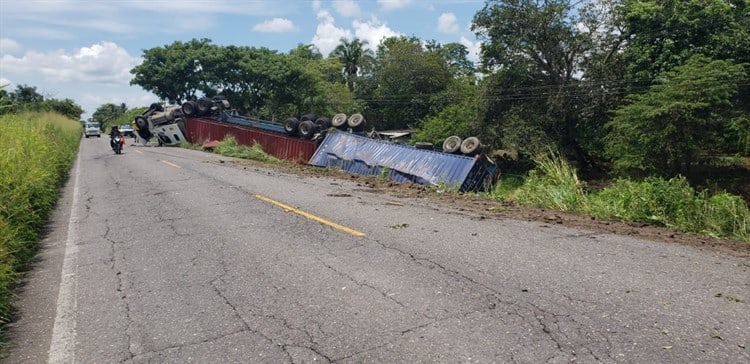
[62, 346]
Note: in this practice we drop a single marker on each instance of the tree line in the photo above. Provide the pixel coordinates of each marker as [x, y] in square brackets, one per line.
[635, 87]
[27, 98]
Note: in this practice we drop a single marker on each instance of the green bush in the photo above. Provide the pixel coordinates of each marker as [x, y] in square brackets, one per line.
[675, 204]
[36, 152]
[671, 203]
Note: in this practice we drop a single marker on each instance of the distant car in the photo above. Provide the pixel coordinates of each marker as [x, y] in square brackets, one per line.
[92, 129]
[127, 130]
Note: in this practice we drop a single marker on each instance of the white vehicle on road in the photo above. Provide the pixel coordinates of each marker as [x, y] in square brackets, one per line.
[92, 129]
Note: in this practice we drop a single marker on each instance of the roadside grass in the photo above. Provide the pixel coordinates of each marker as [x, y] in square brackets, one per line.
[671, 203]
[230, 148]
[36, 153]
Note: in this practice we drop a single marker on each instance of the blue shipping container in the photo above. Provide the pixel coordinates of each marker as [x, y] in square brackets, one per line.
[371, 157]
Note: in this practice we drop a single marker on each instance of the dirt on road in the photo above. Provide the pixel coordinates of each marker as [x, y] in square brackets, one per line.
[498, 209]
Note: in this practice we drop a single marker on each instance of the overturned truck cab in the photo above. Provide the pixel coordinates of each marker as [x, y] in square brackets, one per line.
[166, 124]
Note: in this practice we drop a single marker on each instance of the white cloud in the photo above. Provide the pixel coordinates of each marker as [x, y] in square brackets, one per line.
[104, 63]
[7, 83]
[347, 8]
[317, 6]
[8, 45]
[393, 4]
[275, 25]
[474, 48]
[373, 32]
[327, 34]
[447, 23]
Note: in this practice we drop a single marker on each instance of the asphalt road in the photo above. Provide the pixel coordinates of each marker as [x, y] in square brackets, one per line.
[168, 255]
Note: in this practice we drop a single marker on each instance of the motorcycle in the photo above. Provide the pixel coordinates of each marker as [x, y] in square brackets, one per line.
[117, 143]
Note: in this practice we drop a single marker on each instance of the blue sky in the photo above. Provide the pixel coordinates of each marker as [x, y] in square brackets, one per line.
[84, 49]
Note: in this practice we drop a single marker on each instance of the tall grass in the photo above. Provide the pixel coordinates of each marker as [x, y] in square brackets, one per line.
[36, 152]
[230, 148]
[552, 184]
[671, 203]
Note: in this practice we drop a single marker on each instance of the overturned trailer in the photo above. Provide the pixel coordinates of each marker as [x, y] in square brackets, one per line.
[370, 157]
[248, 132]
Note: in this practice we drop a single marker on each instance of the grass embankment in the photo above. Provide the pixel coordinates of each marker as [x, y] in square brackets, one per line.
[672, 203]
[36, 153]
[554, 184]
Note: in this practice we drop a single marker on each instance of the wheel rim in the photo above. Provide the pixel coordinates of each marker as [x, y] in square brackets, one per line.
[339, 120]
[452, 144]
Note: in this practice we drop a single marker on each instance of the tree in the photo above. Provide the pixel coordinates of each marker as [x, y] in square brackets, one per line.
[354, 56]
[537, 53]
[456, 56]
[66, 107]
[663, 130]
[178, 71]
[306, 51]
[664, 34]
[27, 95]
[406, 80]
[108, 114]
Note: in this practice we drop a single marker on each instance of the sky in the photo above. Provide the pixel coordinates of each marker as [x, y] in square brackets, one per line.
[83, 50]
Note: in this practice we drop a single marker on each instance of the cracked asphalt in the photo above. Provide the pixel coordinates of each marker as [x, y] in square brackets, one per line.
[145, 262]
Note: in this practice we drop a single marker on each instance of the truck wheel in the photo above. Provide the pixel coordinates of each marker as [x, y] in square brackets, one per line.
[452, 144]
[141, 122]
[156, 107]
[323, 123]
[145, 134]
[204, 106]
[291, 126]
[306, 129]
[470, 146]
[189, 108]
[339, 121]
[356, 122]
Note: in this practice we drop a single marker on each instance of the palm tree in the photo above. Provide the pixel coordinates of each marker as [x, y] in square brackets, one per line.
[353, 55]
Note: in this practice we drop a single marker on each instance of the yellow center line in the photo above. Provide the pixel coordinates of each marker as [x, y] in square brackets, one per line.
[310, 216]
[169, 163]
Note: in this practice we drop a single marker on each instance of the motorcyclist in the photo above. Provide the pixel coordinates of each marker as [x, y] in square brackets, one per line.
[114, 133]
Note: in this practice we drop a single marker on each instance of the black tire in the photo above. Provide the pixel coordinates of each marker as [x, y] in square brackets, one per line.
[204, 106]
[423, 145]
[339, 121]
[356, 122]
[323, 123]
[141, 123]
[145, 134]
[189, 108]
[471, 146]
[87, 136]
[291, 126]
[306, 129]
[311, 117]
[117, 147]
[156, 107]
[452, 144]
